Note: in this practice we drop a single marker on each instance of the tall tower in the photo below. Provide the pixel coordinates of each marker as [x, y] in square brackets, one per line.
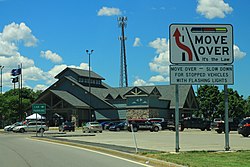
[122, 21]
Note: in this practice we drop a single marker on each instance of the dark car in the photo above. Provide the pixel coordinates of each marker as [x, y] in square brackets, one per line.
[109, 124]
[69, 126]
[244, 127]
[196, 123]
[233, 125]
[118, 127]
[143, 124]
[103, 124]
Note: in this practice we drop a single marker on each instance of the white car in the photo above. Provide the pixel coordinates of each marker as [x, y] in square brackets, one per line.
[92, 127]
[32, 127]
[10, 127]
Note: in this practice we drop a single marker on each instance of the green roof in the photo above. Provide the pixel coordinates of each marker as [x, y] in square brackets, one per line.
[69, 98]
[80, 72]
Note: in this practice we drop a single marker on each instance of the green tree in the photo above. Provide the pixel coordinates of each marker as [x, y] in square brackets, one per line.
[9, 102]
[236, 104]
[247, 107]
[208, 101]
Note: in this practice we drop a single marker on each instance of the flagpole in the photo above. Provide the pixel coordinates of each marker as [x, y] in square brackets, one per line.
[21, 100]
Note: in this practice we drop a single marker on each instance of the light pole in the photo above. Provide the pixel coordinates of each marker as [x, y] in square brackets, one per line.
[89, 52]
[1, 68]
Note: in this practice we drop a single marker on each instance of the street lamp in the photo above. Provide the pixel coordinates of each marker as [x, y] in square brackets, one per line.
[1, 68]
[89, 52]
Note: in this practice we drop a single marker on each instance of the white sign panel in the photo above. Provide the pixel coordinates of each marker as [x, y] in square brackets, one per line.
[201, 44]
[201, 75]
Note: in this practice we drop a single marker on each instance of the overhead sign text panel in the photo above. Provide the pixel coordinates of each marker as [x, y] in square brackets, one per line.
[201, 75]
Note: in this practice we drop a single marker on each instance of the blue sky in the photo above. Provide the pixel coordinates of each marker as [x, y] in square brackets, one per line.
[46, 36]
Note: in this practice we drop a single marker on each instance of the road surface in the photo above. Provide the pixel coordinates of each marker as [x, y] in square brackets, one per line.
[16, 150]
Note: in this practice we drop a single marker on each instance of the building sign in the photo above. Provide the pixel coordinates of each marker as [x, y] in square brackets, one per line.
[137, 101]
[201, 44]
[39, 108]
[201, 75]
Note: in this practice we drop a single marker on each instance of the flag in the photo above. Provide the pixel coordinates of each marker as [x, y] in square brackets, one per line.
[15, 72]
[14, 80]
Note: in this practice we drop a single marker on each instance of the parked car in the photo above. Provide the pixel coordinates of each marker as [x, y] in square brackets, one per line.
[10, 127]
[32, 127]
[244, 127]
[162, 121]
[196, 123]
[143, 124]
[233, 125]
[69, 126]
[215, 122]
[104, 123]
[109, 124]
[120, 126]
[92, 127]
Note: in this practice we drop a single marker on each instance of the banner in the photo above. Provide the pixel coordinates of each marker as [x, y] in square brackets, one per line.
[15, 72]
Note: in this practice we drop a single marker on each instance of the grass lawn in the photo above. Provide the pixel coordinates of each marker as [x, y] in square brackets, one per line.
[203, 158]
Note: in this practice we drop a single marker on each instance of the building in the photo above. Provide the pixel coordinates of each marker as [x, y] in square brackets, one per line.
[72, 99]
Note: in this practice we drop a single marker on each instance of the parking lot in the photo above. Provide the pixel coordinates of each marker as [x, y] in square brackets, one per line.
[165, 140]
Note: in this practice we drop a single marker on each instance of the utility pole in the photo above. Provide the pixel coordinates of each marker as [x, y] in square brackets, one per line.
[122, 21]
[89, 52]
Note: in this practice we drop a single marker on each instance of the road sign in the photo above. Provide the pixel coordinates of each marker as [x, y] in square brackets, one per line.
[201, 75]
[201, 44]
[39, 108]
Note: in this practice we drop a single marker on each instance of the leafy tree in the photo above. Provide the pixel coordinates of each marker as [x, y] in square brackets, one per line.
[236, 104]
[208, 101]
[212, 103]
[9, 102]
[247, 107]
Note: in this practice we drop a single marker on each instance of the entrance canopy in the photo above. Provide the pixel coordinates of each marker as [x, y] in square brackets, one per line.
[33, 117]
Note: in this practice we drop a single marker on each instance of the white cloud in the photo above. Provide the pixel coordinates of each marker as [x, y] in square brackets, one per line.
[238, 54]
[161, 62]
[159, 78]
[141, 82]
[14, 34]
[7, 48]
[213, 8]
[54, 57]
[59, 68]
[40, 87]
[105, 11]
[137, 42]
[19, 33]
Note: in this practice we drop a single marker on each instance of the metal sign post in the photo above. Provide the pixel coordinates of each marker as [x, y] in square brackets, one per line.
[227, 148]
[39, 109]
[134, 138]
[177, 148]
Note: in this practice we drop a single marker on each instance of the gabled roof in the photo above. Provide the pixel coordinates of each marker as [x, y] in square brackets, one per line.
[80, 72]
[69, 98]
[106, 93]
[98, 92]
[136, 91]
[167, 92]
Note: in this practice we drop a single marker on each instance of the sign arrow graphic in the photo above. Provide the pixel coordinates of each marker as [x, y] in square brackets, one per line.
[177, 35]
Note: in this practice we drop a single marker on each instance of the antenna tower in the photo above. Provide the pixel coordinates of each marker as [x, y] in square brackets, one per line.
[122, 21]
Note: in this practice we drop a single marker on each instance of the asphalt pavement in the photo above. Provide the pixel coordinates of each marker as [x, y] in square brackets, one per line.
[190, 140]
